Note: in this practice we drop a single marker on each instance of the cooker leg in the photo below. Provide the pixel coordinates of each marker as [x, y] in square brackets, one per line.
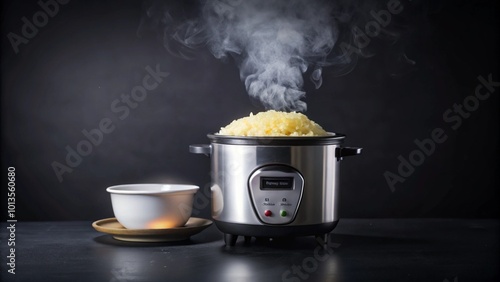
[248, 239]
[230, 239]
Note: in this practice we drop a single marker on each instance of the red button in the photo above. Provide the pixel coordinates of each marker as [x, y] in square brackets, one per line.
[268, 213]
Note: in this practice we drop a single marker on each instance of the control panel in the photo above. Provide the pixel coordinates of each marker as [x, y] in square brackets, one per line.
[276, 191]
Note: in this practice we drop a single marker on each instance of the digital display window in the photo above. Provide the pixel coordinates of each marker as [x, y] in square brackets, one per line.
[276, 183]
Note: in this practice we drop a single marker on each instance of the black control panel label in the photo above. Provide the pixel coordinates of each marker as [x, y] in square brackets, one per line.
[278, 183]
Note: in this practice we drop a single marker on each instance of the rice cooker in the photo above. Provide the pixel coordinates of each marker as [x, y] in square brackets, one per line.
[275, 186]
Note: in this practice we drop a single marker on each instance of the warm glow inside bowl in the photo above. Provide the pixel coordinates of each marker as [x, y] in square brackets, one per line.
[152, 206]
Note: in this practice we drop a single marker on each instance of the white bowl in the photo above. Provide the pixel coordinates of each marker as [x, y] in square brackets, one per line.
[152, 206]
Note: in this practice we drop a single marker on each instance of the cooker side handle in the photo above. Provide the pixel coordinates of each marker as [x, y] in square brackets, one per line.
[205, 149]
[347, 151]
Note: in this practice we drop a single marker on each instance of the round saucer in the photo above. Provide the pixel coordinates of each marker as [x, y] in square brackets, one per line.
[111, 226]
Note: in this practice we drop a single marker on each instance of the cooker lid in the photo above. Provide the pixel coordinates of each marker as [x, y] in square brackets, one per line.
[331, 138]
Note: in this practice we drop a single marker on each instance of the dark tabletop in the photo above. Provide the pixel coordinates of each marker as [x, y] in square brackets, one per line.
[359, 250]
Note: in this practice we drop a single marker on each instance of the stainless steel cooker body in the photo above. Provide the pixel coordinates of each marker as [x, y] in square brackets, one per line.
[275, 186]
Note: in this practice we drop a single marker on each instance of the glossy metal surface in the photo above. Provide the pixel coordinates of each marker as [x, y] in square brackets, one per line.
[233, 164]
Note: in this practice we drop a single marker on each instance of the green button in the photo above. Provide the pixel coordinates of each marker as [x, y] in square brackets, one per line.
[283, 213]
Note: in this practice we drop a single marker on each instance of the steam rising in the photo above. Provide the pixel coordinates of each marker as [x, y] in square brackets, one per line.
[275, 42]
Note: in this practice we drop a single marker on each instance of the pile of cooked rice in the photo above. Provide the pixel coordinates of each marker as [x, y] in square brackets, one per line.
[273, 123]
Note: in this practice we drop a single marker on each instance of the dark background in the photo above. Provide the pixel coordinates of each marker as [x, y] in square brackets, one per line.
[65, 79]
